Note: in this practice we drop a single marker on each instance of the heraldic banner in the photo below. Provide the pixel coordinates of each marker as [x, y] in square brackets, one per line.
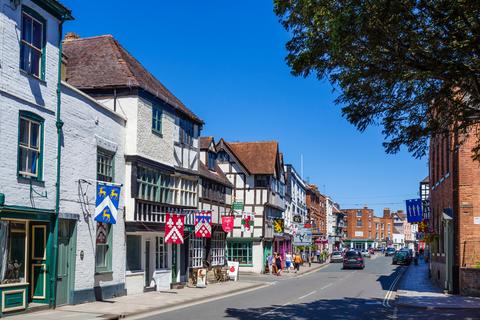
[227, 223]
[247, 222]
[278, 226]
[106, 203]
[203, 224]
[174, 225]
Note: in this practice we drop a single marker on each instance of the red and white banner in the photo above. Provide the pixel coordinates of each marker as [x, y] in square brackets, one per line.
[227, 223]
[203, 224]
[174, 225]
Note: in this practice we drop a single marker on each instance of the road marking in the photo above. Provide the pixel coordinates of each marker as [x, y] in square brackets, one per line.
[308, 294]
[395, 313]
[273, 310]
[386, 300]
[326, 286]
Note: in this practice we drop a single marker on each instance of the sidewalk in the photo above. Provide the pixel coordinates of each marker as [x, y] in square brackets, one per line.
[304, 270]
[416, 290]
[133, 305]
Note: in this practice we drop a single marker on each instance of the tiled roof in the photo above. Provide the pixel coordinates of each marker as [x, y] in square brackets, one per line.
[101, 62]
[205, 142]
[216, 175]
[257, 157]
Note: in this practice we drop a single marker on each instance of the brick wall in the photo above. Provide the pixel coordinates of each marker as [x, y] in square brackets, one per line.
[470, 281]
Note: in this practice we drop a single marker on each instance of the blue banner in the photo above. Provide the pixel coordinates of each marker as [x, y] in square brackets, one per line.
[414, 210]
[106, 203]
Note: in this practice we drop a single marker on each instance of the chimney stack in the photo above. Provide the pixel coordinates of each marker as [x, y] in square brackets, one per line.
[71, 36]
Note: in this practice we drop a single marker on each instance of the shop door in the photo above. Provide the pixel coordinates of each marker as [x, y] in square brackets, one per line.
[38, 265]
[66, 261]
[147, 263]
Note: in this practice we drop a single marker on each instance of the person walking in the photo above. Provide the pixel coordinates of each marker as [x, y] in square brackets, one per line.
[318, 255]
[270, 262]
[278, 264]
[297, 260]
[288, 262]
[274, 264]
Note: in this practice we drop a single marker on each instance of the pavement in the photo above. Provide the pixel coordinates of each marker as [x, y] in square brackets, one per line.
[416, 290]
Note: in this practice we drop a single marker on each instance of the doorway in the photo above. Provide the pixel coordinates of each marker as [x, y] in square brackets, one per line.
[66, 261]
[147, 263]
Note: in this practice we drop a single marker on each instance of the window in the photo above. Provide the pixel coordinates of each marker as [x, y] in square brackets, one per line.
[359, 213]
[134, 249]
[186, 132]
[197, 252]
[240, 251]
[157, 119]
[32, 43]
[104, 165]
[218, 248]
[30, 141]
[359, 223]
[211, 161]
[12, 242]
[222, 156]
[261, 181]
[103, 252]
[161, 253]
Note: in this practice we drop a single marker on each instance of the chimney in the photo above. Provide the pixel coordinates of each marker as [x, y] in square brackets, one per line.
[386, 213]
[71, 36]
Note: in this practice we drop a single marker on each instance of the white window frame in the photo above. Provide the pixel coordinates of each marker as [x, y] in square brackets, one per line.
[196, 250]
[161, 253]
[218, 246]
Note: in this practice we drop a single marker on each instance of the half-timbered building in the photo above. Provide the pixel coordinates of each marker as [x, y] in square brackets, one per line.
[256, 171]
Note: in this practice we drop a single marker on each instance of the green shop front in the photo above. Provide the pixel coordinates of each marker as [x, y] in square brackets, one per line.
[358, 244]
[26, 244]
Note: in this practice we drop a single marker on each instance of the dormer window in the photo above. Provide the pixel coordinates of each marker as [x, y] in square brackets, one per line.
[211, 160]
[222, 156]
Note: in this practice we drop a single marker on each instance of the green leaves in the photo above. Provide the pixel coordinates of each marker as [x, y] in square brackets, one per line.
[398, 63]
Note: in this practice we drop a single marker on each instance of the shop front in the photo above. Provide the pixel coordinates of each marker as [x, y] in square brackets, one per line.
[26, 243]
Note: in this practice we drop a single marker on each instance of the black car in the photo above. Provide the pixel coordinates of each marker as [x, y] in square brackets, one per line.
[402, 257]
[390, 251]
[353, 259]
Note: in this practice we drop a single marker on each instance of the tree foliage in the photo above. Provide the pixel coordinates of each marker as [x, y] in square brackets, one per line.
[411, 66]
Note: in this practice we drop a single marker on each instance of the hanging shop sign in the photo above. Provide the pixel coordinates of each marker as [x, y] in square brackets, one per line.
[233, 270]
[227, 223]
[203, 224]
[414, 210]
[201, 278]
[106, 203]
[297, 218]
[174, 227]
[303, 237]
[278, 226]
[293, 229]
[247, 222]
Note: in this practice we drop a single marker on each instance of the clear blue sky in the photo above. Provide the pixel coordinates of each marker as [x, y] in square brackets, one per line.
[225, 61]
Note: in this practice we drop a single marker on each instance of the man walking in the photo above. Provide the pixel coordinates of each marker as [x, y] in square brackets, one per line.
[297, 261]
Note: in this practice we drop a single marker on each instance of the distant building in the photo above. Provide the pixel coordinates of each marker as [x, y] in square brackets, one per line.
[295, 200]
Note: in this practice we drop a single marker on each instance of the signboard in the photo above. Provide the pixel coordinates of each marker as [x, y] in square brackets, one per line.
[201, 278]
[237, 206]
[414, 210]
[303, 237]
[106, 203]
[476, 220]
[227, 223]
[278, 226]
[297, 218]
[358, 233]
[233, 270]
[247, 222]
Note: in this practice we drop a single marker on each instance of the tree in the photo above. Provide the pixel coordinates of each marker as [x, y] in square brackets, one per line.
[411, 66]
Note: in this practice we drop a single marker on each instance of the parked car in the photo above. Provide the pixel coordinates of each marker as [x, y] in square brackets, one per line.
[402, 257]
[337, 256]
[353, 259]
[366, 253]
[390, 251]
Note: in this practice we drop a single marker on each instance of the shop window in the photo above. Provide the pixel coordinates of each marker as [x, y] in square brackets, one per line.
[241, 252]
[218, 248]
[197, 252]
[30, 141]
[103, 252]
[105, 168]
[134, 249]
[32, 44]
[157, 119]
[161, 253]
[12, 252]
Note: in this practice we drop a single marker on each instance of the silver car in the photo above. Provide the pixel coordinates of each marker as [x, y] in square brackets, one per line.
[336, 256]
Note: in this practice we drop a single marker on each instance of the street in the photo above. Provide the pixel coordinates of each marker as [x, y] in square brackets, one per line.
[331, 293]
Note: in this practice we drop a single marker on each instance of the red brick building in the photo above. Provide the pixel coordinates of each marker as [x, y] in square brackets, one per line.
[317, 214]
[455, 214]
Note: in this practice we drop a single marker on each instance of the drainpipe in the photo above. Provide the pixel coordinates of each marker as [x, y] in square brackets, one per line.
[59, 125]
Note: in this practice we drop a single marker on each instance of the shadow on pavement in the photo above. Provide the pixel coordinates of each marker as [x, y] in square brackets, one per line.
[345, 309]
[387, 280]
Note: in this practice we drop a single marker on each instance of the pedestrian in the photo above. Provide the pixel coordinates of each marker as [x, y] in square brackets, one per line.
[274, 264]
[297, 260]
[288, 261]
[310, 259]
[318, 255]
[303, 256]
[270, 262]
[278, 264]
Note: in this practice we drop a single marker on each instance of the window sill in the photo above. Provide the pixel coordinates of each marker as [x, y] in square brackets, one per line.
[28, 179]
[157, 133]
[33, 77]
[103, 272]
[245, 265]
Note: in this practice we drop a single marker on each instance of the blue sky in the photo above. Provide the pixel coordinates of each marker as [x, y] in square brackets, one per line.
[225, 61]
